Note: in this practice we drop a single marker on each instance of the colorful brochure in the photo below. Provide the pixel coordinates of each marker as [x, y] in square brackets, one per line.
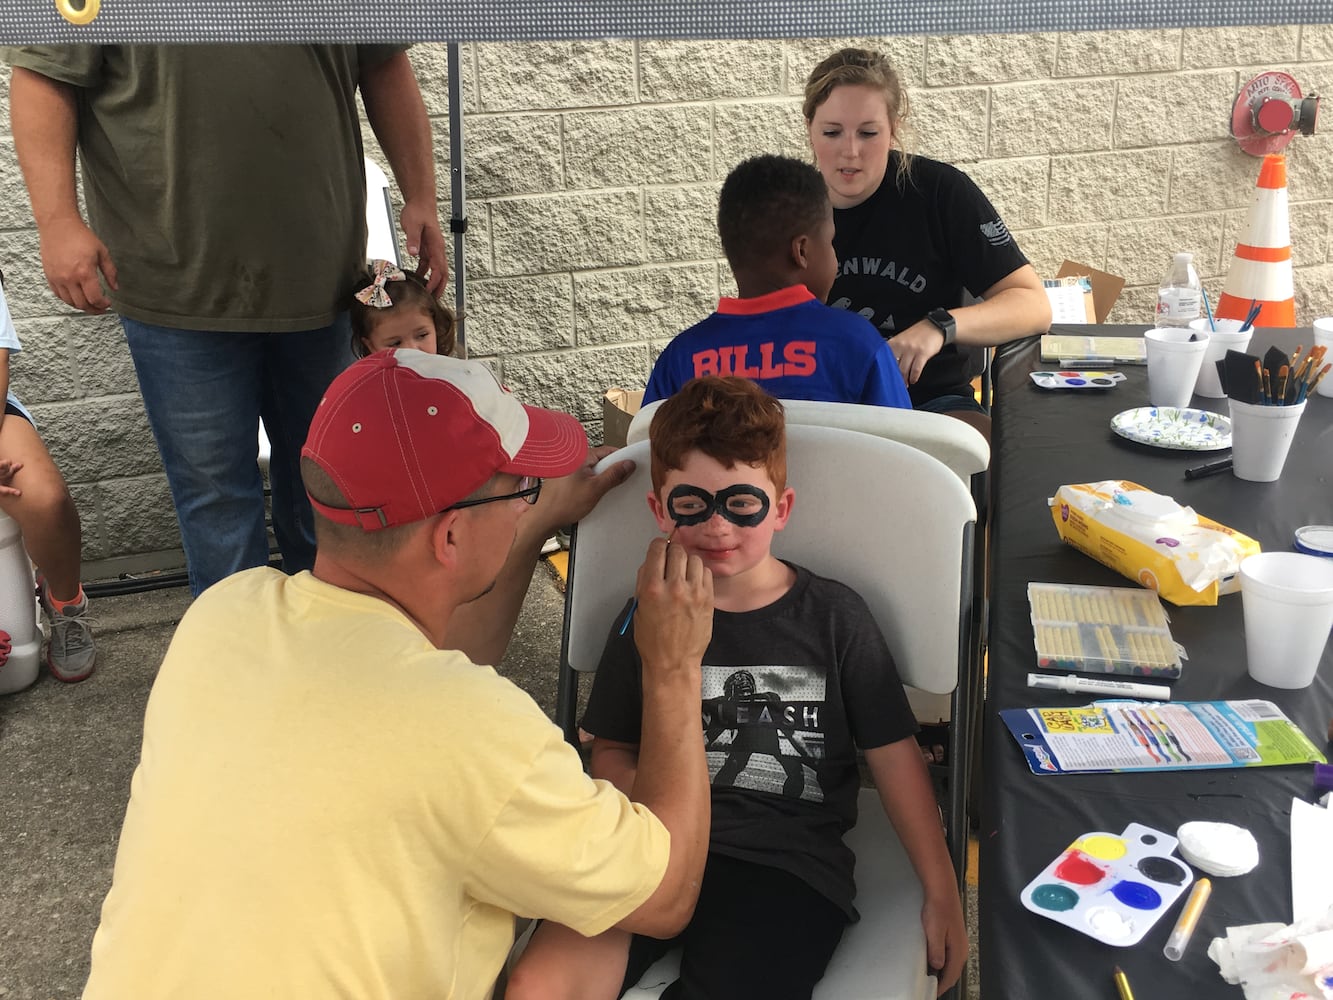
[1156, 736]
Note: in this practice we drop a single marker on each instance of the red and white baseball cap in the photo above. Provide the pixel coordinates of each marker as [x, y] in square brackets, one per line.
[405, 434]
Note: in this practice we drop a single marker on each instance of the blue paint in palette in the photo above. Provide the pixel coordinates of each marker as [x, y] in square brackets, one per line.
[1137, 895]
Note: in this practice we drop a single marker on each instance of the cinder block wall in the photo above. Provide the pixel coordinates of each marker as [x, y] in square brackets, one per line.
[592, 175]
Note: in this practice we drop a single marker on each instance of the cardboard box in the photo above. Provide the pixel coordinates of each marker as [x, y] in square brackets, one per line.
[1106, 288]
[618, 409]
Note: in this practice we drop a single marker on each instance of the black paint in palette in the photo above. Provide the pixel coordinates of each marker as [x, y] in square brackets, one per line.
[1112, 887]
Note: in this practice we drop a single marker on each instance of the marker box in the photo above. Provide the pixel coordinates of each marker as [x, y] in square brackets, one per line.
[1102, 630]
[1113, 887]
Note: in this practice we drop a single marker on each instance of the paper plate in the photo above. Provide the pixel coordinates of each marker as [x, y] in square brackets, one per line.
[1077, 380]
[1182, 428]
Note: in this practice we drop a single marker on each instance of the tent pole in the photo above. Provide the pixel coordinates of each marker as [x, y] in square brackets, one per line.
[458, 197]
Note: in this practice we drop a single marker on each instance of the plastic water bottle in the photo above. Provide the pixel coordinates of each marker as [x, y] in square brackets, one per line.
[1180, 296]
[18, 612]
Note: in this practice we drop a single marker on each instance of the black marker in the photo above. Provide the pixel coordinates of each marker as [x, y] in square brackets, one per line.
[1210, 469]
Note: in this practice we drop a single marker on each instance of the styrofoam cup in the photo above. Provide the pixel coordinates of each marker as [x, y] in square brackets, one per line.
[1287, 600]
[1173, 364]
[1261, 437]
[1226, 336]
[1323, 337]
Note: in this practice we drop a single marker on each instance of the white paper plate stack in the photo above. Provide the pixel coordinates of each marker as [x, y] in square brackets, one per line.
[1221, 849]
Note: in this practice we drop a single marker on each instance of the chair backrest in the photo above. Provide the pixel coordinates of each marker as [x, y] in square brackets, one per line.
[880, 516]
[959, 446]
[381, 234]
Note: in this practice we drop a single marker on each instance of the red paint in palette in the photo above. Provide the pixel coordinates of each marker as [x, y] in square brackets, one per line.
[1078, 869]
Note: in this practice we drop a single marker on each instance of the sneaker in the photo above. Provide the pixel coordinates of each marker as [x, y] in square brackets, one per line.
[71, 654]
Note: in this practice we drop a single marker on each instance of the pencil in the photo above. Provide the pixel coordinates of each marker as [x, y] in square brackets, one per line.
[1122, 985]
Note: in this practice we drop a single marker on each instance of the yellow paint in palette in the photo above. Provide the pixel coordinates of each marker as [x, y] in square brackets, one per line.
[1102, 846]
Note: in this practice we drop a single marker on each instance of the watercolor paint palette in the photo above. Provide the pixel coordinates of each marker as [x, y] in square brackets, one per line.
[1113, 887]
[1077, 380]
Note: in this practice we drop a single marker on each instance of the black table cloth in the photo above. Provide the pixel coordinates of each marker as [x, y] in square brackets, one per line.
[1041, 440]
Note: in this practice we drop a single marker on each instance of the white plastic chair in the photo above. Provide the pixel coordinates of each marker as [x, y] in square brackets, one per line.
[381, 234]
[917, 583]
[958, 445]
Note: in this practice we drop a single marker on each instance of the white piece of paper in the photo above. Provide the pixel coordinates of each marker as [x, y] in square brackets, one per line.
[1311, 865]
[1067, 304]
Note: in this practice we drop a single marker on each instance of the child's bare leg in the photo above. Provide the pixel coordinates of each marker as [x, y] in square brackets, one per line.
[562, 964]
[45, 511]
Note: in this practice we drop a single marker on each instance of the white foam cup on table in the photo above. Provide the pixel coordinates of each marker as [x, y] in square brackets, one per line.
[1287, 600]
[1173, 364]
[1323, 337]
[1260, 438]
[1227, 336]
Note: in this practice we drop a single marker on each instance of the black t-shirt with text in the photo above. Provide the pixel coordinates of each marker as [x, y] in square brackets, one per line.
[789, 692]
[910, 248]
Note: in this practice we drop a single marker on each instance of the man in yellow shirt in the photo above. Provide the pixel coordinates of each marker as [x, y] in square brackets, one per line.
[332, 800]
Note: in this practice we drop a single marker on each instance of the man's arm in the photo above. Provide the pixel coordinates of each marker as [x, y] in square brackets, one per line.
[398, 117]
[673, 623]
[905, 791]
[483, 628]
[44, 115]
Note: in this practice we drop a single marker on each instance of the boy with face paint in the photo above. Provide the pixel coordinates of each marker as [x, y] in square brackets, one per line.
[796, 678]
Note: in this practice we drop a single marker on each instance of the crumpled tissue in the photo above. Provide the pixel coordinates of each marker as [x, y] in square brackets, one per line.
[1279, 961]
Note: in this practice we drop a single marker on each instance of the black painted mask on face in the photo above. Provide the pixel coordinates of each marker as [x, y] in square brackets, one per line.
[742, 504]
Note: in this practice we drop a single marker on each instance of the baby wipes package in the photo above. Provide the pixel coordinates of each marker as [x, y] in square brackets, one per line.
[1151, 539]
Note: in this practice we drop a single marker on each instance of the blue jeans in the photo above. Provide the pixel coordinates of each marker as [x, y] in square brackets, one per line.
[205, 393]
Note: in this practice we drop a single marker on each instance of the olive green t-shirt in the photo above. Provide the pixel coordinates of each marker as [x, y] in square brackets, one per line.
[226, 180]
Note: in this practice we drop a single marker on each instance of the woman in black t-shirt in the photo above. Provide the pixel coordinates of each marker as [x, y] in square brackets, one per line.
[912, 234]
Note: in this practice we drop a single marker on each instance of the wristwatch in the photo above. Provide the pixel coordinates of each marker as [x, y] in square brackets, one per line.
[945, 323]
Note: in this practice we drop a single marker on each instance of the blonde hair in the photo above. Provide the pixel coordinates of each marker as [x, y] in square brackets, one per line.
[864, 68]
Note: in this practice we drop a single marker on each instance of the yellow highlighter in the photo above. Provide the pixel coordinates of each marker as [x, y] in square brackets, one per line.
[1189, 918]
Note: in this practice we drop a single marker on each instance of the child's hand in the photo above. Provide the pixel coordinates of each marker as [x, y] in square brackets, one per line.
[673, 620]
[7, 471]
[946, 936]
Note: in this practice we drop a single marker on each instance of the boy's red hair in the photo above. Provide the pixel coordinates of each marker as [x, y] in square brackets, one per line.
[729, 419]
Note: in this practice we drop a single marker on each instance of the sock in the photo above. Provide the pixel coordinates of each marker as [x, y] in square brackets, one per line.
[60, 606]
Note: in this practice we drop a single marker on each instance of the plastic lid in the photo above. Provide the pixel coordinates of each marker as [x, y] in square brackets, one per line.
[1314, 539]
[1186, 256]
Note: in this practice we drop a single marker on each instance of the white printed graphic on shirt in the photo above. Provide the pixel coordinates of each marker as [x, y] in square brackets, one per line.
[763, 728]
[997, 233]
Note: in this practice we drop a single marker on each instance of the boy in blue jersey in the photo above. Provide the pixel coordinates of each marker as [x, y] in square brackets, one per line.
[776, 226]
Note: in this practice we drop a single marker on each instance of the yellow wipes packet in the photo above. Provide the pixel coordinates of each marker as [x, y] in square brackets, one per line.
[1154, 541]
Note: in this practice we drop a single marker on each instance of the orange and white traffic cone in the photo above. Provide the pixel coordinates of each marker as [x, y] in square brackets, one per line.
[1261, 270]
